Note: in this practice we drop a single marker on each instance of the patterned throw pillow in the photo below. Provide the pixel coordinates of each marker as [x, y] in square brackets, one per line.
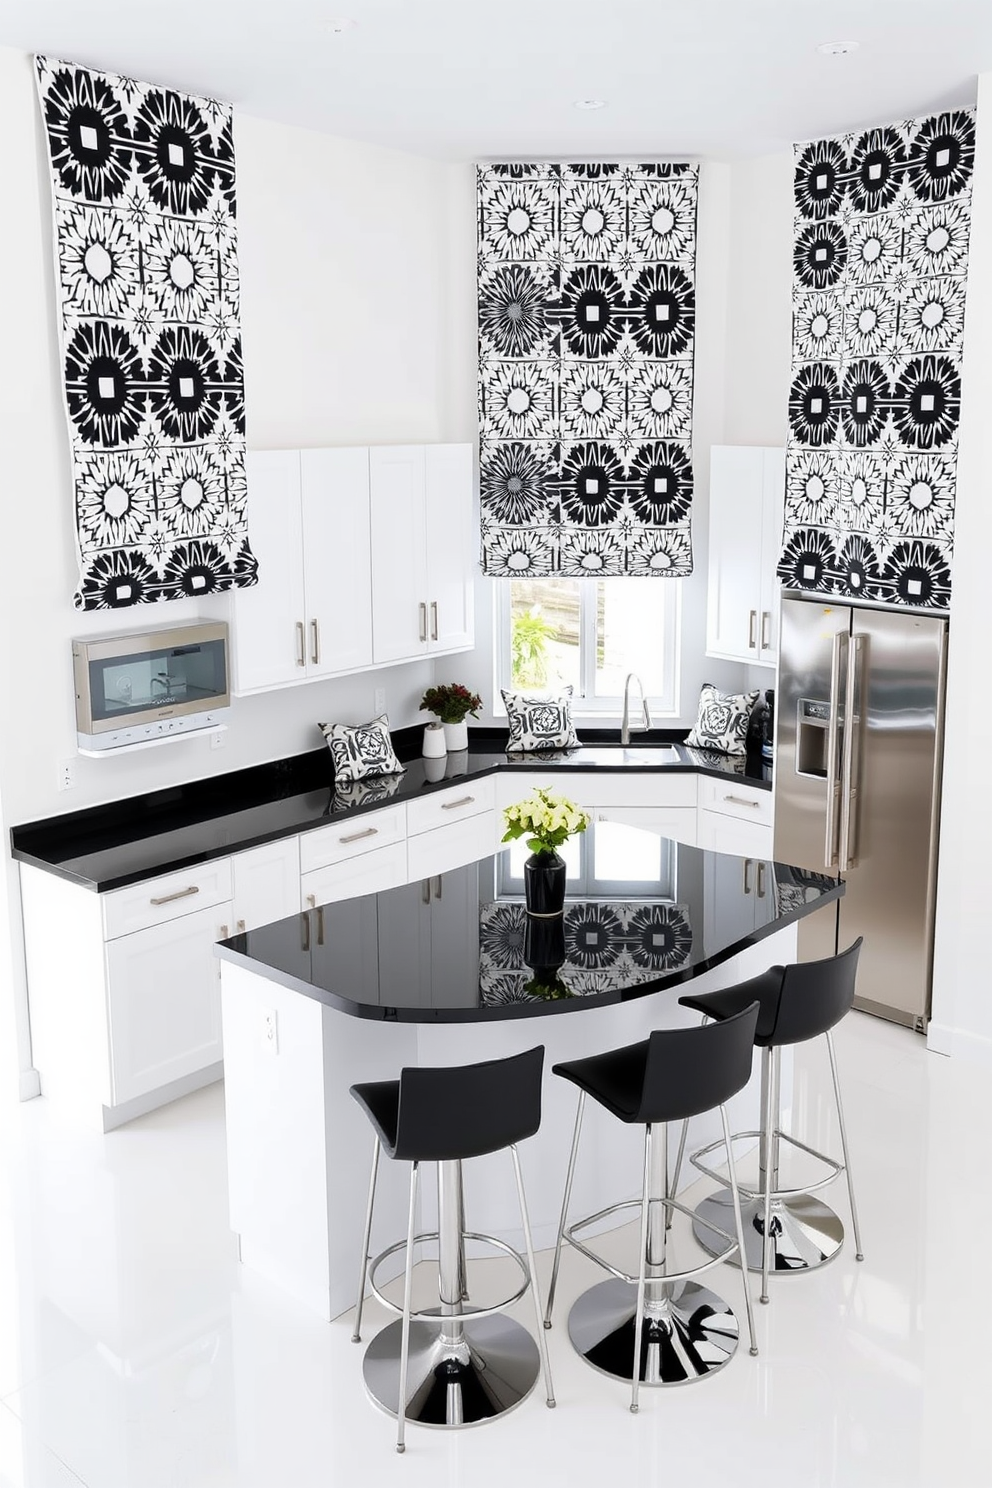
[539, 722]
[722, 720]
[361, 750]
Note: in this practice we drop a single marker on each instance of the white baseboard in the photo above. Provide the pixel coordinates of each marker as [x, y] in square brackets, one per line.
[29, 1086]
[958, 1044]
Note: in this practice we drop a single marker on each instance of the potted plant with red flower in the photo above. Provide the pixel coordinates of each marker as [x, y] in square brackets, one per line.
[452, 704]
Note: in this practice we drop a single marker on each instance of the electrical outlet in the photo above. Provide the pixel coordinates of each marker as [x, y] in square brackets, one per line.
[379, 706]
[270, 1031]
[67, 774]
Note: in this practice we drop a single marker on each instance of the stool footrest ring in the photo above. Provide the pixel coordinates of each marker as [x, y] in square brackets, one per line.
[569, 1235]
[749, 1192]
[432, 1314]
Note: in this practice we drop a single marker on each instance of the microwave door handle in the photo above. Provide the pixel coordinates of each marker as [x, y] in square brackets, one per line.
[853, 702]
[833, 728]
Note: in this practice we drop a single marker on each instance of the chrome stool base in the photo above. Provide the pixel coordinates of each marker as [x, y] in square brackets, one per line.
[692, 1334]
[454, 1381]
[805, 1232]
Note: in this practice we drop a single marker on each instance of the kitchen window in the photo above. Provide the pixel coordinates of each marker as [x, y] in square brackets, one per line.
[590, 633]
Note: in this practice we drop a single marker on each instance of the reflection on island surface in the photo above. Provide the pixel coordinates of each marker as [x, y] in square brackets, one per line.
[602, 944]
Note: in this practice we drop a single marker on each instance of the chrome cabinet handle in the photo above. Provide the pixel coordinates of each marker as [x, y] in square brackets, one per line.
[752, 630]
[315, 649]
[747, 876]
[224, 932]
[180, 894]
[433, 619]
[423, 620]
[833, 783]
[425, 890]
[849, 786]
[305, 929]
[301, 644]
[766, 629]
[761, 880]
[438, 890]
[357, 836]
[240, 927]
[312, 900]
[320, 925]
[454, 805]
[743, 801]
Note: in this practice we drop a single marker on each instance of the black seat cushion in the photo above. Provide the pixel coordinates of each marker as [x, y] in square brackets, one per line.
[615, 1078]
[381, 1102]
[765, 990]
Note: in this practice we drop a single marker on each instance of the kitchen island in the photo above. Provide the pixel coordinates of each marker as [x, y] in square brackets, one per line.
[449, 970]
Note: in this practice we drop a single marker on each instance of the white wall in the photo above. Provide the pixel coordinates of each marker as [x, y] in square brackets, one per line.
[962, 1005]
[351, 257]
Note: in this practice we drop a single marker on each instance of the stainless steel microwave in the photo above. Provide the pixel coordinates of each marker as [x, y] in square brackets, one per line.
[149, 687]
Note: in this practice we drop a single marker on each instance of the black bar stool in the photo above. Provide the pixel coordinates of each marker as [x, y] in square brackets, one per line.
[452, 1365]
[658, 1327]
[785, 1230]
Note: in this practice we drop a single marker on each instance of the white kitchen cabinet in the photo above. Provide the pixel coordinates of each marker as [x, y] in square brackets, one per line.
[310, 614]
[734, 818]
[370, 873]
[450, 828]
[163, 1002]
[422, 572]
[747, 496]
[677, 822]
[266, 883]
[738, 896]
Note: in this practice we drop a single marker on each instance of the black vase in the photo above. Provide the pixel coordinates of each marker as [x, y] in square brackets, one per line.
[544, 884]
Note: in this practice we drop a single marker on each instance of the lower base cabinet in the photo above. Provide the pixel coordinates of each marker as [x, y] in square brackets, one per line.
[163, 1002]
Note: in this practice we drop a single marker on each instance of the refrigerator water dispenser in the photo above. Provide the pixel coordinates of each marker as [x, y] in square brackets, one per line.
[812, 728]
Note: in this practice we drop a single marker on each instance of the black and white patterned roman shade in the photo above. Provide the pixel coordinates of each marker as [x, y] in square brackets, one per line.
[586, 335]
[146, 245]
[880, 259]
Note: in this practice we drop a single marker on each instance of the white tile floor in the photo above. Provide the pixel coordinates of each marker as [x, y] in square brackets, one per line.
[136, 1353]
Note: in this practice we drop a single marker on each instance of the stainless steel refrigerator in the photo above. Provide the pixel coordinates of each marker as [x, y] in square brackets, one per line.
[857, 786]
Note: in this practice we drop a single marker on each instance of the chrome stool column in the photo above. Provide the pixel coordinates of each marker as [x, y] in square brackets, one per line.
[786, 1230]
[659, 1327]
[452, 1365]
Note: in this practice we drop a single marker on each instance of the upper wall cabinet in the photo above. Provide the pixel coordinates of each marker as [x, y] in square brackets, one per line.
[422, 592]
[310, 615]
[747, 494]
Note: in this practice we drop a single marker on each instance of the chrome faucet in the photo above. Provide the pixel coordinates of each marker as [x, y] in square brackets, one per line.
[645, 723]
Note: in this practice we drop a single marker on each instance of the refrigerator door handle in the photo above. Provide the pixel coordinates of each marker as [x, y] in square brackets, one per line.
[833, 734]
[853, 701]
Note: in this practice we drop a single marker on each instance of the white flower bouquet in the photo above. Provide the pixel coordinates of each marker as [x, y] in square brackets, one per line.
[548, 819]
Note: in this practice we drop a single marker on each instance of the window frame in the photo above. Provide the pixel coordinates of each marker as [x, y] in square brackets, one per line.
[585, 703]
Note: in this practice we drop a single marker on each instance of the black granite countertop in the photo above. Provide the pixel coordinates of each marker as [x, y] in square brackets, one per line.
[124, 842]
[480, 957]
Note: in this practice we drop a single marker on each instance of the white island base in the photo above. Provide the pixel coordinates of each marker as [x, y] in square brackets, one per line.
[300, 1148]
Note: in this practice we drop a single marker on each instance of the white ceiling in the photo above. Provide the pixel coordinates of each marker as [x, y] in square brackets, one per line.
[470, 79]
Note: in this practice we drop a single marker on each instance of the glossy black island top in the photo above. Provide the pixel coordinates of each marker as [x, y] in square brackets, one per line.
[109, 847]
[643, 913]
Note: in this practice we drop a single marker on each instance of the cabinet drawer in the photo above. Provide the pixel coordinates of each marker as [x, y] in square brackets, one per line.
[351, 838]
[451, 846]
[441, 808]
[385, 868]
[730, 799]
[677, 822]
[157, 900]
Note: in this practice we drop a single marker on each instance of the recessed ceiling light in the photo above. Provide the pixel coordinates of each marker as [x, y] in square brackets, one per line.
[589, 103]
[339, 26]
[836, 48]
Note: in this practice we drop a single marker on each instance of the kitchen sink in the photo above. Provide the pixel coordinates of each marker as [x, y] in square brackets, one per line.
[623, 754]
